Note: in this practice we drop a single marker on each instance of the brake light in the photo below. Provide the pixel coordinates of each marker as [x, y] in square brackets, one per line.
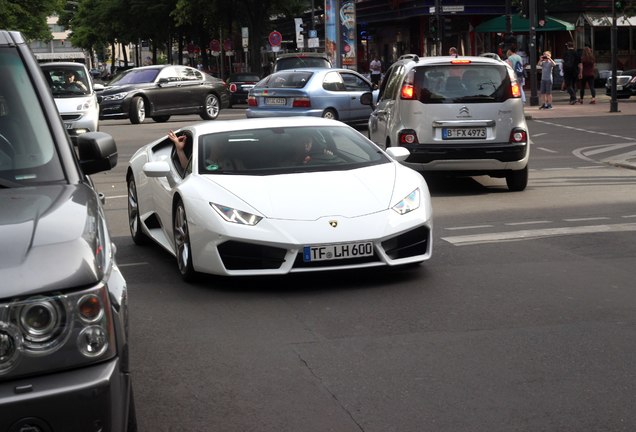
[302, 102]
[251, 101]
[518, 136]
[407, 136]
[516, 89]
[232, 87]
[408, 92]
[460, 61]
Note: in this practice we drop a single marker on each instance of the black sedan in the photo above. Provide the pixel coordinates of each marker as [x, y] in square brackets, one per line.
[625, 84]
[240, 84]
[161, 91]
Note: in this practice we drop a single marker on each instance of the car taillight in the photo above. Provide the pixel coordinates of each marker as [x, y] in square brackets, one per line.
[407, 136]
[515, 89]
[407, 92]
[301, 102]
[460, 61]
[518, 136]
[251, 101]
[232, 87]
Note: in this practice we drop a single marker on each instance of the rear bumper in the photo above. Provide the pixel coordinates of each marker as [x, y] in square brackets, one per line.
[90, 399]
[468, 157]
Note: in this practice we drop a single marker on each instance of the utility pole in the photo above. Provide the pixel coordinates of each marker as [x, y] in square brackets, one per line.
[534, 98]
[613, 41]
[508, 19]
[438, 18]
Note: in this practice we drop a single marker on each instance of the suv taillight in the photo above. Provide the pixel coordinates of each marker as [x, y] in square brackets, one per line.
[407, 136]
[232, 87]
[408, 89]
[302, 102]
[518, 136]
[251, 101]
[515, 89]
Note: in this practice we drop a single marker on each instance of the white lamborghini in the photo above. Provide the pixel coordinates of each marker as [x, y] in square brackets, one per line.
[278, 195]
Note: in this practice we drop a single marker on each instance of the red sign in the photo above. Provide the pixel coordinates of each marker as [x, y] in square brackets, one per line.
[275, 38]
[227, 45]
[215, 45]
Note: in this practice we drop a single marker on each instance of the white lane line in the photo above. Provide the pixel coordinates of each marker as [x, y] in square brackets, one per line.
[586, 219]
[621, 157]
[540, 134]
[603, 148]
[629, 216]
[547, 150]
[535, 234]
[528, 223]
[468, 227]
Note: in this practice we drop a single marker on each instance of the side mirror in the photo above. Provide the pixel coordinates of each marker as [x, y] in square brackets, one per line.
[398, 153]
[366, 98]
[97, 152]
[157, 168]
[162, 81]
[98, 87]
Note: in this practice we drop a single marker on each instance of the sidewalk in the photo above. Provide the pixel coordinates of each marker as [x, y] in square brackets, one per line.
[563, 109]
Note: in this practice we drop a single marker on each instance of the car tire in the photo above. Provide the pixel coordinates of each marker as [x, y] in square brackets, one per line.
[134, 221]
[137, 110]
[161, 119]
[330, 113]
[517, 180]
[211, 107]
[182, 246]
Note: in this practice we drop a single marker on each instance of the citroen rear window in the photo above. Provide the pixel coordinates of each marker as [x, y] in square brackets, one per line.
[460, 83]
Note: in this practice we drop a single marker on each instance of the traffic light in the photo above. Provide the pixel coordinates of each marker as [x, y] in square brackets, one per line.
[300, 39]
[619, 5]
[432, 26]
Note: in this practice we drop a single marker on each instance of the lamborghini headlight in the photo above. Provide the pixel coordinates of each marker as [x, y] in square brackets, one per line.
[230, 214]
[114, 97]
[409, 203]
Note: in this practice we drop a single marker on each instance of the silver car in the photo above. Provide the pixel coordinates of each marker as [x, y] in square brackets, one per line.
[454, 114]
[328, 93]
[74, 94]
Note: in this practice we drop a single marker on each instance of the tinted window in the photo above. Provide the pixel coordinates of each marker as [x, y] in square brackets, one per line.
[135, 76]
[27, 149]
[469, 83]
[301, 62]
[288, 79]
[355, 83]
[282, 150]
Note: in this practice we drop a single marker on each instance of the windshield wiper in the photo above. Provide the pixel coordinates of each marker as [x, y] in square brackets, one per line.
[8, 184]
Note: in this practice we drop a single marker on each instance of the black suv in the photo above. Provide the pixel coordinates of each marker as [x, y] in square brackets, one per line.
[63, 302]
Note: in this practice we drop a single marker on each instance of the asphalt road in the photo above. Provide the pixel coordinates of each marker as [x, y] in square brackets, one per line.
[523, 320]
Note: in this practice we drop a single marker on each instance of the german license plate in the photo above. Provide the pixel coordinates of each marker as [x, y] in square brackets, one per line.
[337, 251]
[275, 101]
[458, 133]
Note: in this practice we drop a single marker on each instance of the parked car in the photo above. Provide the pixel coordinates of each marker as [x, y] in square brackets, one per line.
[76, 100]
[64, 362]
[329, 93]
[240, 84]
[625, 84]
[301, 60]
[277, 196]
[462, 115]
[161, 91]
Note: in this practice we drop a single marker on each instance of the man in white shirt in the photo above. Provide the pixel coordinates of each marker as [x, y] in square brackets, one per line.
[376, 70]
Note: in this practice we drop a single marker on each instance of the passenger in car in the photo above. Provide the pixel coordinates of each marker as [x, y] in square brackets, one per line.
[180, 146]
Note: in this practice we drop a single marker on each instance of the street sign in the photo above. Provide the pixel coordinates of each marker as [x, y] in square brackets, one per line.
[215, 45]
[275, 38]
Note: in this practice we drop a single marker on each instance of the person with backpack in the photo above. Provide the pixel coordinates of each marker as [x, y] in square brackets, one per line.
[572, 70]
[516, 63]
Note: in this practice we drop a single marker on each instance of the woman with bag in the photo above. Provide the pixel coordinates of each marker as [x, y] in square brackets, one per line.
[587, 75]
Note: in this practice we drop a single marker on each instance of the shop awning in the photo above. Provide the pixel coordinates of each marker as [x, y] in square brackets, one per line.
[521, 25]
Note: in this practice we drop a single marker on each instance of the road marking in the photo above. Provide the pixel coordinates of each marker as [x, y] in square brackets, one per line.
[468, 227]
[528, 223]
[547, 150]
[536, 234]
[586, 219]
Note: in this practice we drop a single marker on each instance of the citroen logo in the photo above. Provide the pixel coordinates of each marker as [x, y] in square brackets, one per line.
[464, 110]
[333, 223]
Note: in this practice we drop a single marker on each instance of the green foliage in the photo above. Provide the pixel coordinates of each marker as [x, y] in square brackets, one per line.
[29, 16]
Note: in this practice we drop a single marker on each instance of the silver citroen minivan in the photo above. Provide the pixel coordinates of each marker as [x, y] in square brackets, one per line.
[459, 115]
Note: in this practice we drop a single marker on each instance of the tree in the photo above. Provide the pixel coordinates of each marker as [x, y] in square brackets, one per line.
[29, 17]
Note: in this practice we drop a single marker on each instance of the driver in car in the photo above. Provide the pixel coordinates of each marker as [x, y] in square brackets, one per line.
[72, 82]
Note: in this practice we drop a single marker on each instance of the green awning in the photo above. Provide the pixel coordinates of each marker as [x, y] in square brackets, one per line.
[521, 25]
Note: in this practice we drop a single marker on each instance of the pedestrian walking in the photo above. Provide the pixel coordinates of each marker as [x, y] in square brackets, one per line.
[572, 70]
[588, 63]
[516, 63]
[546, 63]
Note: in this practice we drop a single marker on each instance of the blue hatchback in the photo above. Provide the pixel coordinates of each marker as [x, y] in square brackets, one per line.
[328, 93]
